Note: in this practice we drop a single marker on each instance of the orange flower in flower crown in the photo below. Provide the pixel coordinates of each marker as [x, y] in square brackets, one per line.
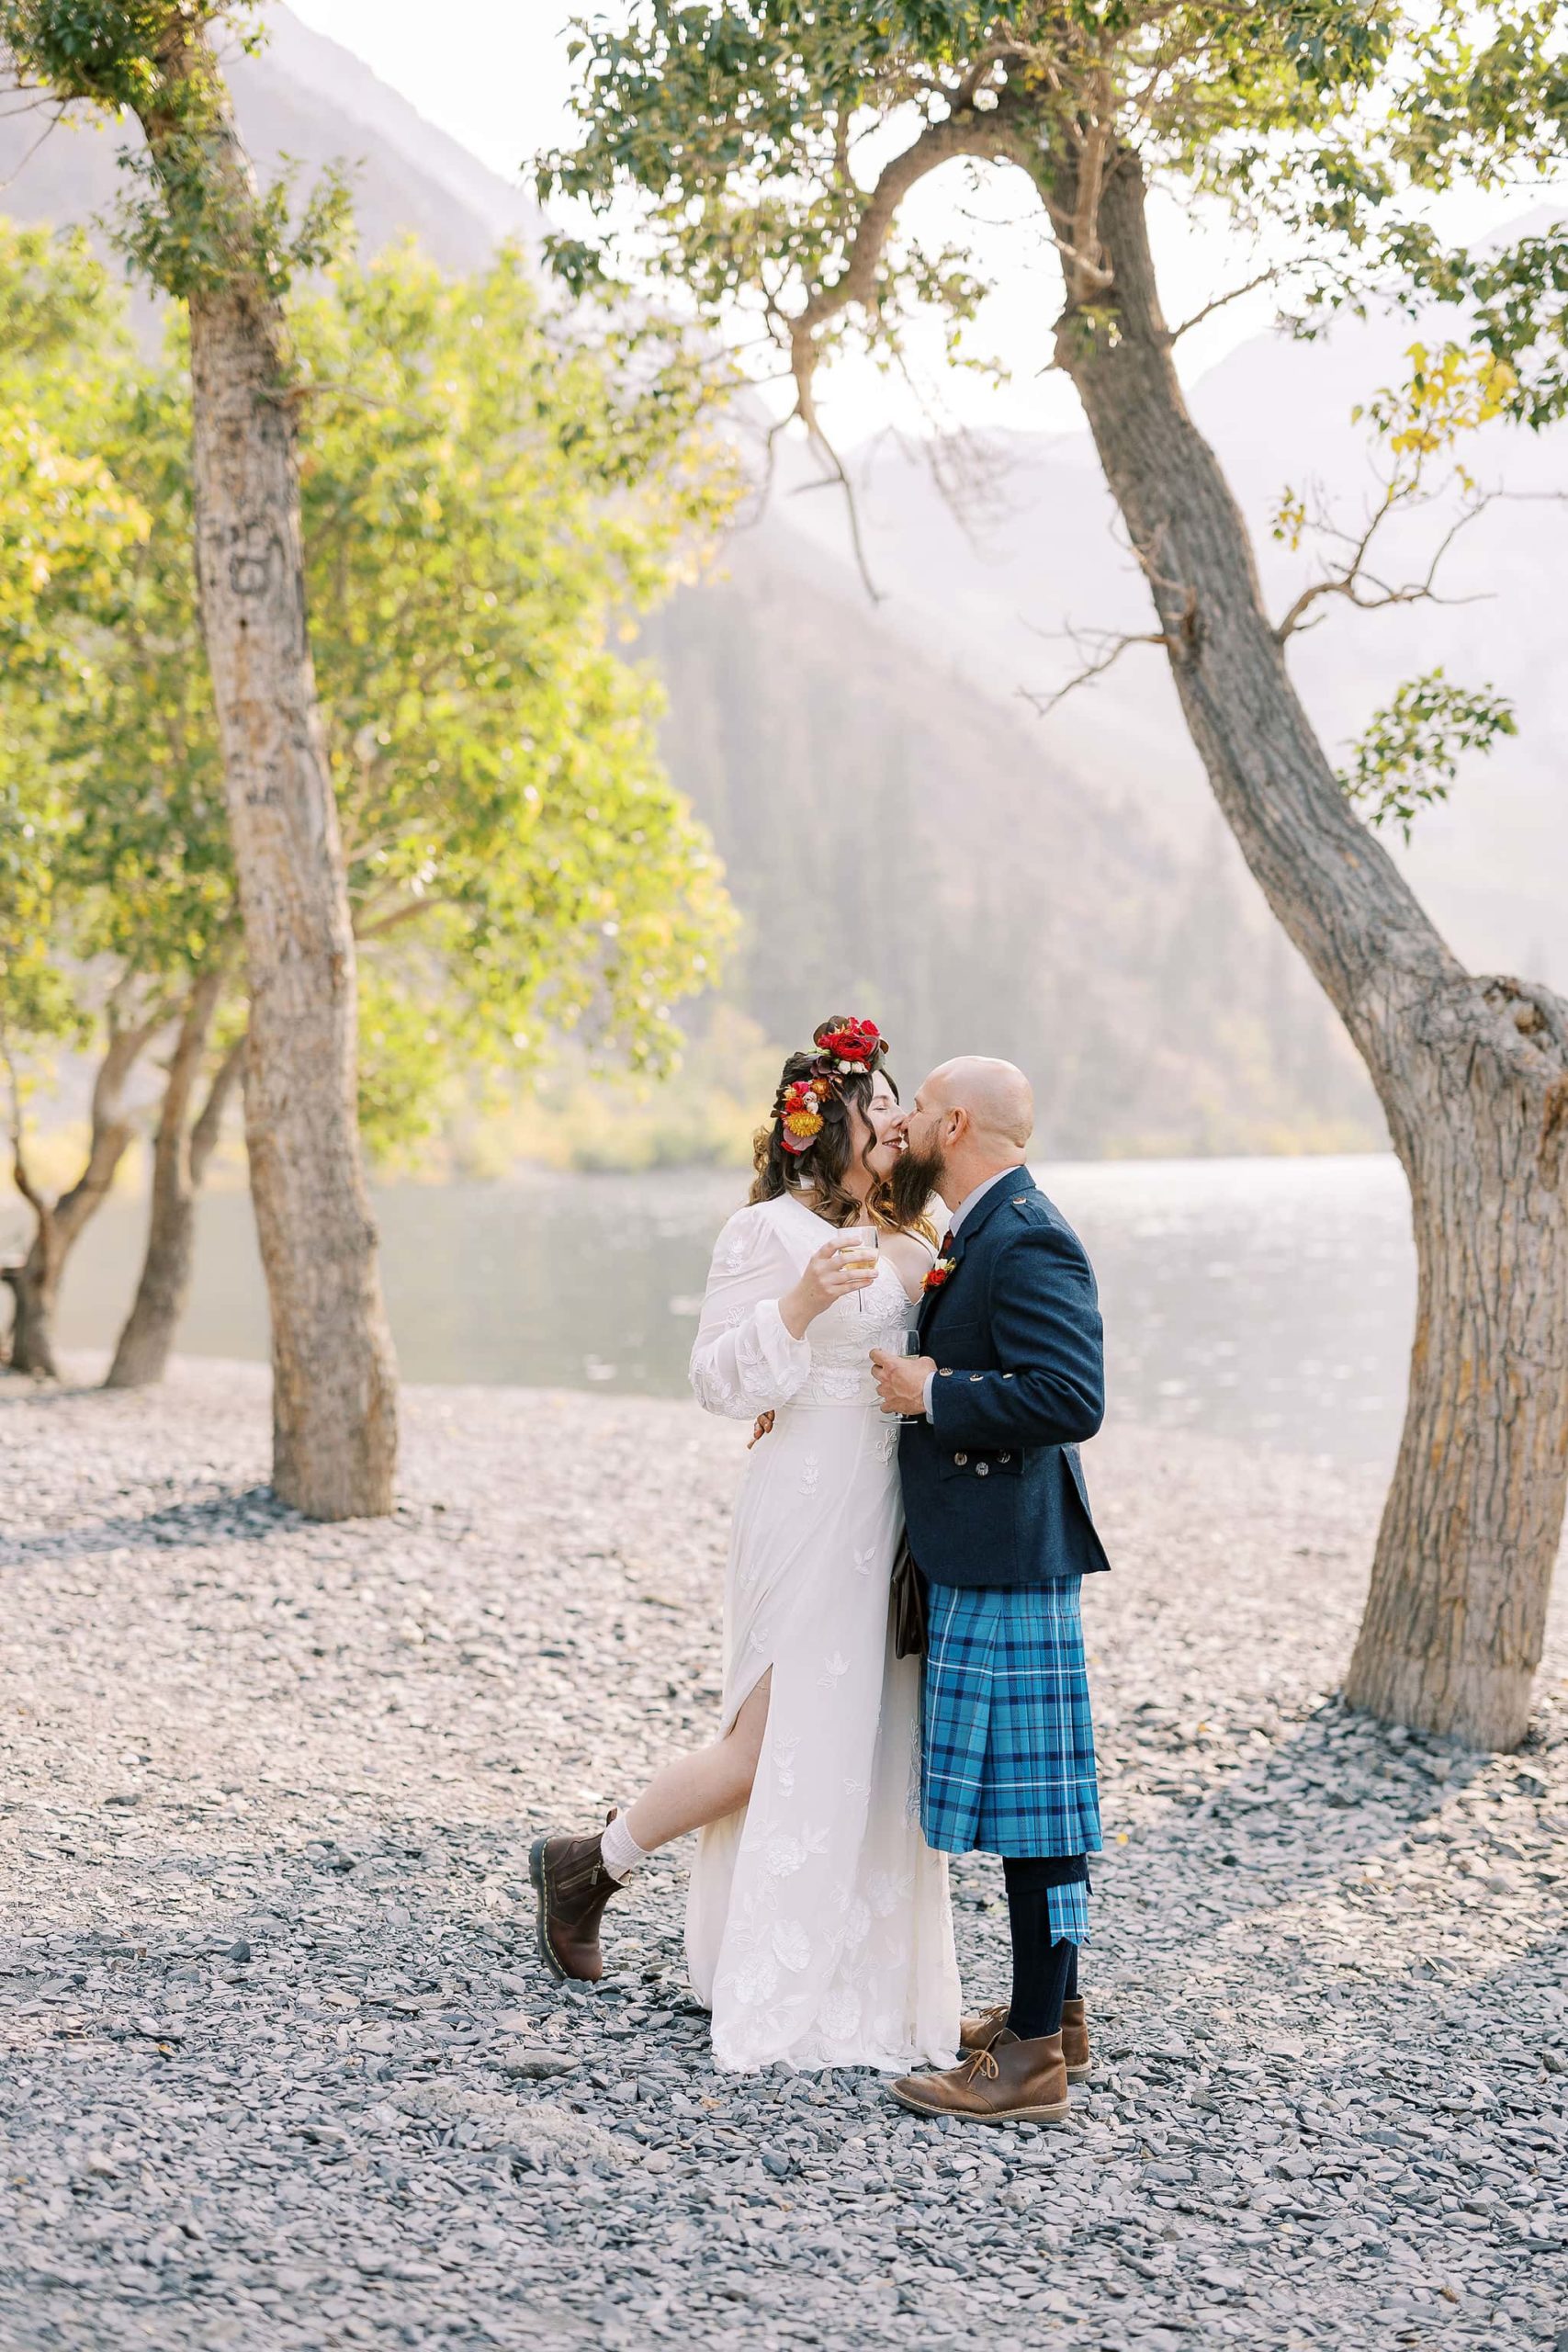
[800, 1113]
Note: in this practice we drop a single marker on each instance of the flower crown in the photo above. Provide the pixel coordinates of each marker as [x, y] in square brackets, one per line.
[845, 1050]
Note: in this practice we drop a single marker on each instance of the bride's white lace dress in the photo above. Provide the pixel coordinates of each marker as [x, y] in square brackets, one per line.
[819, 1929]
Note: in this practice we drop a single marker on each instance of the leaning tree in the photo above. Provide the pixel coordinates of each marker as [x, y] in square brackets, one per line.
[201, 229]
[768, 148]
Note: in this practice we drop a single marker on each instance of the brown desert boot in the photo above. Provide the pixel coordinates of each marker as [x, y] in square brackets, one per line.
[1012, 2082]
[572, 1887]
[978, 2033]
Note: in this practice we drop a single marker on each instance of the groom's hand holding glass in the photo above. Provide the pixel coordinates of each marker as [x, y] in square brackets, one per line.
[901, 1382]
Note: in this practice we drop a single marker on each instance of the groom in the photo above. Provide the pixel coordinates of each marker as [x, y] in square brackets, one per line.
[1010, 1380]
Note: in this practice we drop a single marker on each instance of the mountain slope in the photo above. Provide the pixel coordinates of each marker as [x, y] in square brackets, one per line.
[1039, 552]
[896, 835]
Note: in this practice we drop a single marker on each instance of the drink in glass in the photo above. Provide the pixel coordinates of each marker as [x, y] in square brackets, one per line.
[903, 1344]
[857, 1247]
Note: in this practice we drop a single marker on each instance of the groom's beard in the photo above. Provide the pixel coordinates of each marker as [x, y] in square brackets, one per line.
[915, 1177]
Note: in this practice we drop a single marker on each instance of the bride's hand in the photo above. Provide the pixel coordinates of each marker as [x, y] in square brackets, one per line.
[764, 1423]
[826, 1278]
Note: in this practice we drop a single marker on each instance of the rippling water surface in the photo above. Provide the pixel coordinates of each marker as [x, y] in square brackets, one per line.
[1267, 1299]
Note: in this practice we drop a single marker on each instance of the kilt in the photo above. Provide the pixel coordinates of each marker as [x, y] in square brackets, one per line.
[1008, 1755]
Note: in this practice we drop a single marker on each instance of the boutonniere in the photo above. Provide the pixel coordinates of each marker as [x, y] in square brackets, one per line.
[939, 1273]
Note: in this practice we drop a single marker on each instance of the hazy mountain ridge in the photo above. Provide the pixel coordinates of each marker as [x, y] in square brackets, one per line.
[896, 835]
[999, 589]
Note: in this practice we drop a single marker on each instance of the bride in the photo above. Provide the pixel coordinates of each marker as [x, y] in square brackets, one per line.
[817, 1926]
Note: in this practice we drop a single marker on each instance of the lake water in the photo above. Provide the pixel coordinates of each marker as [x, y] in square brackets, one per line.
[1271, 1300]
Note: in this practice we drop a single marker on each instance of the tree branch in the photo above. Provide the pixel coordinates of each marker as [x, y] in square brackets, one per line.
[1348, 583]
[210, 1121]
[409, 911]
[1264, 278]
[20, 1170]
[1115, 648]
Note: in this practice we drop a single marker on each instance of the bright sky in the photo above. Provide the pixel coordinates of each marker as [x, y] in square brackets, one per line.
[497, 79]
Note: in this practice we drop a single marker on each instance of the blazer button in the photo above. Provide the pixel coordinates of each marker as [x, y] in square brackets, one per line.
[945, 1371]
[962, 1460]
[982, 1469]
[1004, 1457]
[976, 1376]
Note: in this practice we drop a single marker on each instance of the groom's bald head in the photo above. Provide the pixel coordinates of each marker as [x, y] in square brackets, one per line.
[996, 1098]
[971, 1120]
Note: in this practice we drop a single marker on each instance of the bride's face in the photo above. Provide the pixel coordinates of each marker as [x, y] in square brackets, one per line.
[882, 1121]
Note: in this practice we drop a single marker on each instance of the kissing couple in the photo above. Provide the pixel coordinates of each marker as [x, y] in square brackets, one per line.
[919, 1404]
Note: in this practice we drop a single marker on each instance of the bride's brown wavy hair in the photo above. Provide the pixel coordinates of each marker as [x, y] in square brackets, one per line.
[816, 1176]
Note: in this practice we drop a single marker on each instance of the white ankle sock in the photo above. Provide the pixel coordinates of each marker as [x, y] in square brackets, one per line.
[618, 1850]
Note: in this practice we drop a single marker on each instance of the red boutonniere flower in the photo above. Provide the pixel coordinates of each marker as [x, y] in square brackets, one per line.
[939, 1273]
[852, 1046]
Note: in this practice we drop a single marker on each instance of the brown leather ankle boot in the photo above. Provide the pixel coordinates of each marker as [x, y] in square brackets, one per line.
[1012, 2082]
[979, 2032]
[572, 1887]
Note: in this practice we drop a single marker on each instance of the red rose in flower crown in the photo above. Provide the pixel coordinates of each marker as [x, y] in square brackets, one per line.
[853, 1044]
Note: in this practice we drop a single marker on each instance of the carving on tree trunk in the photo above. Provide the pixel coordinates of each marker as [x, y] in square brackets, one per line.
[1472, 1072]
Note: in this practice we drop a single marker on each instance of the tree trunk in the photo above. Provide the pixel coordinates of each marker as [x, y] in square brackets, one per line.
[1472, 1073]
[35, 1283]
[34, 1286]
[180, 1154]
[1455, 1617]
[335, 1394]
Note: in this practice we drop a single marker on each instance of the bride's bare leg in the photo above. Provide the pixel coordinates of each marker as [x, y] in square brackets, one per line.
[574, 1878]
[697, 1789]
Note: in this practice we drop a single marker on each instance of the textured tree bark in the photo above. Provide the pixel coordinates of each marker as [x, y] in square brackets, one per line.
[1472, 1072]
[181, 1152]
[35, 1283]
[335, 1394]
[1455, 1617]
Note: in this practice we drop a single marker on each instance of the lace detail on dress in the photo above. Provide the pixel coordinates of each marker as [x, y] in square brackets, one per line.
[841, 1341]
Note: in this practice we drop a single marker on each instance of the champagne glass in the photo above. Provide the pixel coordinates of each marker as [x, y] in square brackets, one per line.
[902, 1343]
[858, 1250]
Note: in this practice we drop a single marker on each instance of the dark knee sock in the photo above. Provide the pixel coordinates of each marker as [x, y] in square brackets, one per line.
[1042, 1971]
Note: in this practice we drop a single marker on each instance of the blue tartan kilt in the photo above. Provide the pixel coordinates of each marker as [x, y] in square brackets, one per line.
[1007, 1757]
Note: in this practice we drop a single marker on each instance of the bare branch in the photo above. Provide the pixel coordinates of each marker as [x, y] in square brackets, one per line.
[836, 474]
[1350, 581]
[26, 158]
[1114, 650]
[1264, 278]
[409, 911]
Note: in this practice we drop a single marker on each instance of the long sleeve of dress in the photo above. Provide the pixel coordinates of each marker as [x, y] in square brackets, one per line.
[744, 1362]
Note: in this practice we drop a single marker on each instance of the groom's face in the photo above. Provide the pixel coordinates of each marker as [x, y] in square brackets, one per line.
[923, 1161]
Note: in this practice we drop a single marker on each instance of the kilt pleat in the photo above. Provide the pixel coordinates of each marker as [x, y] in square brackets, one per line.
[1009, 1749]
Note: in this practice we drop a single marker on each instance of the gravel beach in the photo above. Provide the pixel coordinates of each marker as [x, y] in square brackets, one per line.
[282, 2070]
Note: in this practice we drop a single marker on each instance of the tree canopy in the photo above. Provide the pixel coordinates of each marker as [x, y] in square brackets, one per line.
[487, 503]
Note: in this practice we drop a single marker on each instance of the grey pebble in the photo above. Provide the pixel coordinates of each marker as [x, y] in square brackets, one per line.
[1331, 2017]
